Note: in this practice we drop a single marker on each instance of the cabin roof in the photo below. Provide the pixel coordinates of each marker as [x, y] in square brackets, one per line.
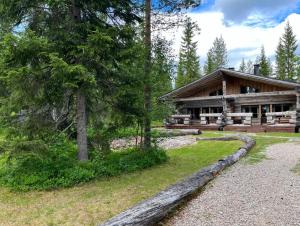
[218, 74]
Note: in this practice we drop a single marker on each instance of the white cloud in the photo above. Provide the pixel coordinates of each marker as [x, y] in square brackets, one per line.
[241, 10]
[241, 40]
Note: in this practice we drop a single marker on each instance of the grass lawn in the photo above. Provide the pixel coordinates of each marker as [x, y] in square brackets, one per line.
[263, 140]
[296, 169]
[98, 201]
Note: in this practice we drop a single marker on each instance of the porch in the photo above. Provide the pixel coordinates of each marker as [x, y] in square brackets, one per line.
[285, 121]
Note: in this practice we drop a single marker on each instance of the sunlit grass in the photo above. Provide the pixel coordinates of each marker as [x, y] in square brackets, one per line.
[296, 169]
[98, 201]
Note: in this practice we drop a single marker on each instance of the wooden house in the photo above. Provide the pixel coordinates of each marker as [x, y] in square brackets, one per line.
[231, 100]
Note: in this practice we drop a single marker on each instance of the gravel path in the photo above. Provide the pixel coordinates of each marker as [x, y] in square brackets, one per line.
[266, 193]
[165, 143]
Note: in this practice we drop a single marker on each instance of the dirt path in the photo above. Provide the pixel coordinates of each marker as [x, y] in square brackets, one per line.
[266, 193]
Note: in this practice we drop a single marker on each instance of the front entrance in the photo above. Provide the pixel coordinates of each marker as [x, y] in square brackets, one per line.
[252, 109]
[194, 112]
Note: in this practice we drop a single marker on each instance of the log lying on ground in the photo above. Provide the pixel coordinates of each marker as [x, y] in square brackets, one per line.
[178, 132]
[154, 209]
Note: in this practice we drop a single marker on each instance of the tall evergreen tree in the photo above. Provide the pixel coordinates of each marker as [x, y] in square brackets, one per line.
[298, 68]
[66, 53]
[162, 76]
[217, 56]
[242, 67]
[168, 7]
[280, 61]
[285, 55]
[188, 66]
[290, 46]
[265, 67]
[249, 67]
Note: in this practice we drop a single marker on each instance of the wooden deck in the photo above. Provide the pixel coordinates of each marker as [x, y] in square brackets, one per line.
[239, 128]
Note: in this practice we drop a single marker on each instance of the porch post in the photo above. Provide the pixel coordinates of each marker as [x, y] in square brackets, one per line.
[224, 94]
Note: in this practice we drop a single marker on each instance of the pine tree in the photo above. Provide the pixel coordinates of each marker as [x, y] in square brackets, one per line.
[242, 66]
[280, 61]
[188, 66]
[217, 56]
[264, 63]
[285, 54]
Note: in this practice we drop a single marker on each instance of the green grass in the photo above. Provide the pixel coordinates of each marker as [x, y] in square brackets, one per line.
[257, 154]
[263, 140]
[280, 134]
[99, 200]
[157, 123]
[296, 169]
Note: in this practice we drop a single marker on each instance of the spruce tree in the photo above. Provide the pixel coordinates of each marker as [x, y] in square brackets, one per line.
[264, 63]
[188, 66]
[249, 67]
[162, 75]
[298, 68]
[285, 55]
[242, 67]
[167, 8]
[280, 61]
[290, 46]
[217, 56]
[65, 54]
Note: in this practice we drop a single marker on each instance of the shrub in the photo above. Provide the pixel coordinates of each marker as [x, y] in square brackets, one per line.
[55, 166]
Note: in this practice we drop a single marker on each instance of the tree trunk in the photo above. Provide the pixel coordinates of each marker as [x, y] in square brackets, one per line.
[147, 79]
[81, 127]
[81, 117]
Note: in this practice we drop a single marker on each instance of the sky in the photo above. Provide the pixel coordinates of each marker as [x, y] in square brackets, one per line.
[245, 25]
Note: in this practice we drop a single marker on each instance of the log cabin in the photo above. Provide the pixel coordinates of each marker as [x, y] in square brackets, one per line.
[235, 101]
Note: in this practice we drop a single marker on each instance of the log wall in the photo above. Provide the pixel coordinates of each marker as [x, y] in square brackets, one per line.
[234, 86]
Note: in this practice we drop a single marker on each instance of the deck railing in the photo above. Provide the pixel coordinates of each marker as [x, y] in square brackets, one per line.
[181, 119]
[245, 118]
[286, 117]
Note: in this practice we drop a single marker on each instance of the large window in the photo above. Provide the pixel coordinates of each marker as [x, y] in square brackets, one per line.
[251, 109]
[216, 110]
[248, 89]
[194, 112]
[282, 107]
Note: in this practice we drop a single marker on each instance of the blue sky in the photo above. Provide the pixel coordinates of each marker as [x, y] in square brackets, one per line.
[238, 11]
[245, 25]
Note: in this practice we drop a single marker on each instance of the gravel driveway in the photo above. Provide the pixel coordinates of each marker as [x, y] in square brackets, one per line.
[266, 193]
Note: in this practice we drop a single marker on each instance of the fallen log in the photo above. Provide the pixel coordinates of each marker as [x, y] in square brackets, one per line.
[154, 209]
[178, 132]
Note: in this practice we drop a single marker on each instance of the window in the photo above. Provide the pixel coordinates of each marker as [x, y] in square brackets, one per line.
[282, 107]
[216, 93]
[248, 89]
[216, 110]
[194, 112]
[251, 109]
